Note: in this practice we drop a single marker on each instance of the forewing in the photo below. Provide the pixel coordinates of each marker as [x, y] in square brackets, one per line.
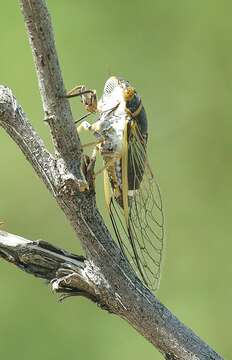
[141, 238]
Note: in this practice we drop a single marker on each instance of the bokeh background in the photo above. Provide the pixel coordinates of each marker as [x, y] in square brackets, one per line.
[178, 55]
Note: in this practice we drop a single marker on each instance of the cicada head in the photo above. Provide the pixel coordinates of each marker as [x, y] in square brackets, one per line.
[129, 93]
[132, 99]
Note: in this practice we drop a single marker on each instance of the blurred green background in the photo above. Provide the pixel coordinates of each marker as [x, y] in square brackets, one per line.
[178, 56]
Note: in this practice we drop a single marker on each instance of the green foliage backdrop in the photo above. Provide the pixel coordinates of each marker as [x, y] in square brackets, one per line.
[178, 56]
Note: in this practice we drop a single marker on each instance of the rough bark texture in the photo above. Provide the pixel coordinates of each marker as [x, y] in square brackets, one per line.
[105, 277]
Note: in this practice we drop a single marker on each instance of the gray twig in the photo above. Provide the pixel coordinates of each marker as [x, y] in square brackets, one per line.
[105, 277]
[68, 274]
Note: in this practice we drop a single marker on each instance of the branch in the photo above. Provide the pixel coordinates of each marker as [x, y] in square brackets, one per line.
[71, 274]
[56, 106]
[68, 274]
[111, 281]
[16, 124]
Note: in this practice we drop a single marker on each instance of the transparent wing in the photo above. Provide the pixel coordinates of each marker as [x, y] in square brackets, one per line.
[141, 238]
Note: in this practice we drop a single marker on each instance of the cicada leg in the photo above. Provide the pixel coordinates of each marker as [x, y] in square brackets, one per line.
[110, 162]
[88, 97]
[76, 91]
[86, 126]
[93, 143]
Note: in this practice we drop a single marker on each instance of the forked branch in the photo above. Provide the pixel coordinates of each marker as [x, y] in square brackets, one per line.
[105, 275]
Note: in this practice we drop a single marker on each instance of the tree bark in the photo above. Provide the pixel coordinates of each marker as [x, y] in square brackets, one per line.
[105, 276]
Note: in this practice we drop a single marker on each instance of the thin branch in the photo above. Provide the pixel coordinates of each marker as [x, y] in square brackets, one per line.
[68, 274]
[116, 285]
[56, 106]
[14, 121]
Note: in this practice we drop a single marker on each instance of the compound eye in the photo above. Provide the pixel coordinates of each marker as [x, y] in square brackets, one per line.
[129, 93]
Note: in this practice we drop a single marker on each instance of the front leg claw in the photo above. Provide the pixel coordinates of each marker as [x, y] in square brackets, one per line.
[88, 97]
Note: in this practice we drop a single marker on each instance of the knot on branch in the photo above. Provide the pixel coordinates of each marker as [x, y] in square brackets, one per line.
[75, 281]
[69, 184]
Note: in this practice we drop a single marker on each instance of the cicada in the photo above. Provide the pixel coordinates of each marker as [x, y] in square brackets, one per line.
[132, 195]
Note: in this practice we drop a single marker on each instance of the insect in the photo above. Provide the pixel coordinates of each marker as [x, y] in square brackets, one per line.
[132, 194]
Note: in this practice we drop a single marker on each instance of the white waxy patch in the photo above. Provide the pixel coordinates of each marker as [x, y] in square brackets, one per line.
[113, 118]
[132, 192]
[93, 274]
